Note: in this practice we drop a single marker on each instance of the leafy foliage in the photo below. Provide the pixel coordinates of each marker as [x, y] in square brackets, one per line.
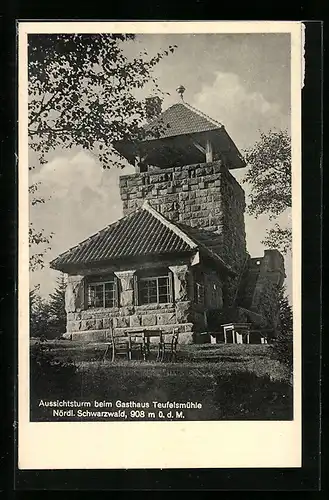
[42, 241]
[57, 318]
[269, 176]
[39, 315]
[83, 91]
[39, 241]
[48, 318]
[283, 345]
[279, 237]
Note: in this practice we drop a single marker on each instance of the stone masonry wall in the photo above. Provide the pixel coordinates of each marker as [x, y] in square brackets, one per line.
[205, 196]
[265, 299]
[95, 324]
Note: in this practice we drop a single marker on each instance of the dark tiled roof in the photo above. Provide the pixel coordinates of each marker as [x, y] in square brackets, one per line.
[207, 241]
[207, 238]
[138, 234]
[181, 119]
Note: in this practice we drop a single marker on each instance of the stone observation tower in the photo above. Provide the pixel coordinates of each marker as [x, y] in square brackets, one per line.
[178, 256]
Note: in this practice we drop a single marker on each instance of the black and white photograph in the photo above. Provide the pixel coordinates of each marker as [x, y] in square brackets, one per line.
[160, 226]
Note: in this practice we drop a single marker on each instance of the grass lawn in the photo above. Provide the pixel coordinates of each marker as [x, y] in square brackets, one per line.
[231, 382]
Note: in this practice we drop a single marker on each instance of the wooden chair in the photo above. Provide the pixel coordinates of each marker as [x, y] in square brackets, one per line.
[119, 346]
[169, 347]
[147, 335]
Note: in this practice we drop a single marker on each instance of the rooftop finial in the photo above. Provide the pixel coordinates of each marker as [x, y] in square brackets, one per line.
[181, 89]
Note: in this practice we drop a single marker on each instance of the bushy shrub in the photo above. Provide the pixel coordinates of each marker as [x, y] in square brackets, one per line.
[47, 373]
[48, 317]
[39, 315]
[282, 347]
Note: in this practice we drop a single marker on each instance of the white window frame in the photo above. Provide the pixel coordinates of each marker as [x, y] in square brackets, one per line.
[103, 283]
[149, 278]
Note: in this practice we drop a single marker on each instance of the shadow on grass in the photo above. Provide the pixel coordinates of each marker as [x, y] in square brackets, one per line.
[225, 393]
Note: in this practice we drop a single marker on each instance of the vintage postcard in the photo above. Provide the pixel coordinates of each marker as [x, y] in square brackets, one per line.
[159, 244]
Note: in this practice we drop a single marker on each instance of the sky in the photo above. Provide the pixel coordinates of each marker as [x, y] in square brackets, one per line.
[242, 80]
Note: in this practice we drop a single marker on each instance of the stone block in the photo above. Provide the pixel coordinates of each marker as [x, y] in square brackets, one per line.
[87, 314]
[217, 167]
[183, 196]
[180, 174]
[88, 324]
[98, 324]
[127, 298]
[107, 322]
[135, 321]
[186, 187]
[166, 319]
[91, 336]
[121, 322]
[185, 338]
[182, 312]
[74, 326]
[149, 320]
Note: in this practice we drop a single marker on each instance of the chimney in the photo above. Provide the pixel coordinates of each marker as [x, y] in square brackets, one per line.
[153, 108]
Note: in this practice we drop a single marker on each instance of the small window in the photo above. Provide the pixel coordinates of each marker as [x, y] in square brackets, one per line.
[199, 293]
[102, 294]
[199, 287]
[154, 290]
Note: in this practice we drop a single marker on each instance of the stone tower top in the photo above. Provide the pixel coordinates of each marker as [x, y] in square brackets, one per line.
[181, 135]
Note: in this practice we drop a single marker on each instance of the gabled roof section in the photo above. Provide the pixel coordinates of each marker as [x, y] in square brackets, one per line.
[143, 233]
[207, 241]
[181, 119]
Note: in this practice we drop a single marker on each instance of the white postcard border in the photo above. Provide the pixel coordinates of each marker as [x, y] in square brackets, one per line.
[213, 444]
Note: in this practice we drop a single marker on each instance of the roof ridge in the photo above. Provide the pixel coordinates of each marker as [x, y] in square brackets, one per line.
[83, 242]
[169, 224]
[190, 108]
[204, 246]
[202, 114]
[144, 207]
